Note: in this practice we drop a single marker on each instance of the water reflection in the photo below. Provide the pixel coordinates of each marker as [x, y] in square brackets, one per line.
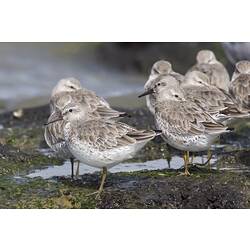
[64, 170]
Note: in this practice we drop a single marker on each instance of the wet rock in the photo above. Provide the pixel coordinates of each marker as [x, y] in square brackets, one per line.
[14, 160]
[144, 189]
[219, 190]
[244, 157]
[39, 193]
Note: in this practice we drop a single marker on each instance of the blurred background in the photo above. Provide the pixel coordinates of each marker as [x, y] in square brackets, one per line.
[117, 71]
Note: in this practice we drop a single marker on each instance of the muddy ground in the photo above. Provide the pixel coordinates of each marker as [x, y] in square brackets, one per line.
[21, 141]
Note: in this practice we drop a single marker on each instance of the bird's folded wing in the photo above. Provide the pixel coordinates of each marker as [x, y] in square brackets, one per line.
[186, 118]
[106, 135]
[213, 101]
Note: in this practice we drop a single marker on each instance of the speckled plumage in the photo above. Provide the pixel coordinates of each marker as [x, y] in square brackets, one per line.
[53, 132]
[96, 107]
[55, 138]
[211, 99]
[69, 84]
[160, 68]
[185, 125]
[104, 143]
[241, 67]
[240, 90]
[215, 70]
[100, 143]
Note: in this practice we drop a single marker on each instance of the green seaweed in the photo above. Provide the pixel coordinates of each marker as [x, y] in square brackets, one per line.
[39, 193]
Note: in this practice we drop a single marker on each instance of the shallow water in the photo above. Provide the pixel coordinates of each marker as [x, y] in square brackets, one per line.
[28, 72]
[65, 169]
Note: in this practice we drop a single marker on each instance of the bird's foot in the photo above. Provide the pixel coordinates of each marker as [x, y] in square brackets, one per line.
[97, 193]
[186, 173]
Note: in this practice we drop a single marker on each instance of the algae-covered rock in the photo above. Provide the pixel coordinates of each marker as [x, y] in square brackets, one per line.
[201, 190]
[39, 193]
[14, 161]
[21, 141]
[145, 189]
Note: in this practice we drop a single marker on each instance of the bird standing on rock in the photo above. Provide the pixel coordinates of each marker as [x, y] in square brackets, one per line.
[100, 143]
[184, 124]
[53, 133]
[67, 91]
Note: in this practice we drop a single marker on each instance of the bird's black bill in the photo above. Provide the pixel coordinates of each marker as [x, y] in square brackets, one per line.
[148, 92]
[46, 124]
[125, 115]
[54, 117]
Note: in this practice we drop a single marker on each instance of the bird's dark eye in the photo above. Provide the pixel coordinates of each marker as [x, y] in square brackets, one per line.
[70, 110]
[159, 84]
[176, 96]
[72, 87]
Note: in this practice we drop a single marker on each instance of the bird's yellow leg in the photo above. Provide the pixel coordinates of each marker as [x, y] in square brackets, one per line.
[209, 156]
[103, 178]
[100, 189]
[186, 163]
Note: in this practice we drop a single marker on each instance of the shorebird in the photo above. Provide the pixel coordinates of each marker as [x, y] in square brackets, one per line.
[69, 84]
[239, 88]
[97, 106]
[184, 124]
[67, 91]
[208, 64]
[241, 67]
[100, 143]
[220, 105]
[159, 68]
[53, 133]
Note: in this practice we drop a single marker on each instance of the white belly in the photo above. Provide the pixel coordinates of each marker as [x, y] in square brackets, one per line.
[190, 143]
[99, 159]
